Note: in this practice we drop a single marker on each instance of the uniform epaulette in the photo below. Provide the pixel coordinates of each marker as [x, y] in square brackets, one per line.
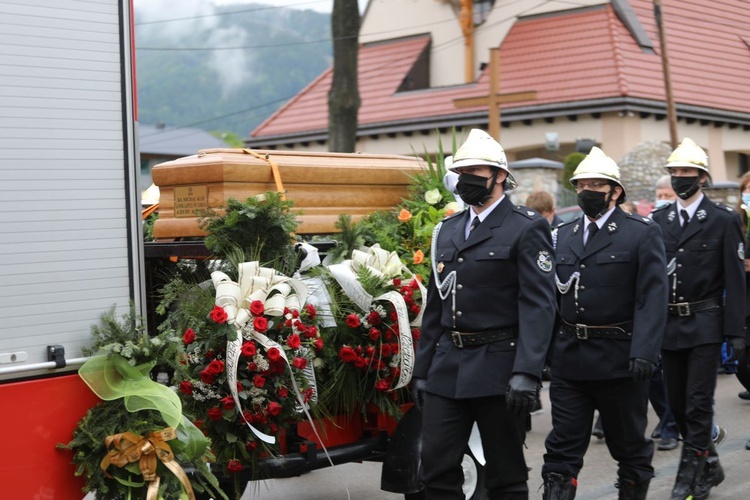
[454, 214]
[640, 218]
[525, 211]
[725, 207]
[561, 224]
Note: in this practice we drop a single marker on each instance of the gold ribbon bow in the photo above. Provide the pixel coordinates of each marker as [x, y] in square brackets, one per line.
[129, 447]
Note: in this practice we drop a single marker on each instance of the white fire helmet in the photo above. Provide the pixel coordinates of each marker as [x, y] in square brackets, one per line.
[597, 165]
[481, 149]
[689, 154]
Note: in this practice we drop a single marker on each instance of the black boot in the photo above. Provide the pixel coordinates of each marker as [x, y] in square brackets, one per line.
[630, 490]
[713, 475]
[689, 472]
[559, 487]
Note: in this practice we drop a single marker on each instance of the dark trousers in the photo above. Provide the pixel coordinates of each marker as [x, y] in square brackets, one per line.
[743, 371]
[623, 405]
[446, 427]
[691, 379]
[657, 394]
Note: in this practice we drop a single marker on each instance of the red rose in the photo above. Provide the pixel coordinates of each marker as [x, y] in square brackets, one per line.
[247, 416]
[311, 332]
[234, 465]
[251, 445]
[227, 403]
[369, 351]
[360, 362]
[219, 315]
[311, 312]
[347, 354]
[282, 392]
[374, 318]
[215, 413]
[415, 334]
[260, 324]
[353, 320]
[396, 281]
[251, 367]
[273, 428]
[295, 314]
[385, 350]
[273, 353]
[299, 363]
[215, 367]
[414, 284]
[406, 291]
[239, 387]
[374, 334]
[199, 423]
[257, 308]
[414, 308]
[393, 315]
[248, 349]
[287, 322]
[274, 408]
[259, 381]
[287, 311]
[210, 354]
[189, 336]
[382, 385]
[186, 387]
[293, 341]
[207, 378]
[318, 343]
[395, 348]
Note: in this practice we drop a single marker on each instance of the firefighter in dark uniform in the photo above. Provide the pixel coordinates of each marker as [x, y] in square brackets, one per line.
[486, 328]
[705, 256]
[611, 275]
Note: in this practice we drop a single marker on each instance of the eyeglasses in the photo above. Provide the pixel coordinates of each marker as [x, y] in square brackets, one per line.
[592, 186]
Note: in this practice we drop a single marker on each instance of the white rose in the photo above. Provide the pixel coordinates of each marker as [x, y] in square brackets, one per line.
[433, 196]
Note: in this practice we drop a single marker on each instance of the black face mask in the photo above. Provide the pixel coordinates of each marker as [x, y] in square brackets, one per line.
[685, 187]
[594, 203]
[473, 189]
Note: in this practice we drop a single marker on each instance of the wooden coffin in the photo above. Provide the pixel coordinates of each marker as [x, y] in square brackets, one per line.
[322, 185]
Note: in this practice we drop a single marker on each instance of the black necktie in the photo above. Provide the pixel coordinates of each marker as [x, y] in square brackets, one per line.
[685, 218]
[474, 223]
[593, 228]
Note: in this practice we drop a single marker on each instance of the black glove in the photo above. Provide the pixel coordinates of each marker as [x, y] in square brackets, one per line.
[642, 369]
[418, 386]
[521, 393]
[738, 346]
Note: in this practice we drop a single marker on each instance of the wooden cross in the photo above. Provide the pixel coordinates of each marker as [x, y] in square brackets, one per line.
[495, 98]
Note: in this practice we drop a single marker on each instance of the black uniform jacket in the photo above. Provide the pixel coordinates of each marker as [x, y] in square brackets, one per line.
[623, 278]
[708, 263]
[505, 279]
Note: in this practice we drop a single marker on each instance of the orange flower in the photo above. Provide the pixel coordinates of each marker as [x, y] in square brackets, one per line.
[404, 215]
[449, 212]
[418, 257]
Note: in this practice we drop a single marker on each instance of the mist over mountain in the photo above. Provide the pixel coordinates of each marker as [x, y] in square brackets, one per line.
[269, 55]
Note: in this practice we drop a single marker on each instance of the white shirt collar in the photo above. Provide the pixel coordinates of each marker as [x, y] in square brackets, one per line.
[599, 222]
[692, 208]
[486, 212]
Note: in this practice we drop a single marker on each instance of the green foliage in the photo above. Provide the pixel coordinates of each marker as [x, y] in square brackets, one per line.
[571, 163]
[233, 140]
[260, 228]
[148, 227]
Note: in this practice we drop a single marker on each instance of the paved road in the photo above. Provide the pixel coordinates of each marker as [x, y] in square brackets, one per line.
[595, 481]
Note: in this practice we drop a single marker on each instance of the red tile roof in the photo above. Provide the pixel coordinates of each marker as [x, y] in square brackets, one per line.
[569, 56]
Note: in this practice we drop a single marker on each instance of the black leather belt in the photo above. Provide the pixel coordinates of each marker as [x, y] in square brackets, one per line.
[466, 339]
[619, 331]
[690, 308]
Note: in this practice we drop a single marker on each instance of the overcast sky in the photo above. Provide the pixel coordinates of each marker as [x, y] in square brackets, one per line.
[319, 5]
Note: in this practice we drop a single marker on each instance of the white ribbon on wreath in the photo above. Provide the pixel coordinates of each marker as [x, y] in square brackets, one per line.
[387, 265]
[277, 292]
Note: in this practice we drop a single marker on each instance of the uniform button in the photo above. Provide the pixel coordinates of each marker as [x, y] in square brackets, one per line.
[679, 265]
[459, 287]
[682, 298]
[679, 282]
[581, 287]
[704, 245]
[492, 253]
[583, 309]
[459, 313]
[460, 260]
[513, 344]
[583, 266]
[612, 257]
[681, 250]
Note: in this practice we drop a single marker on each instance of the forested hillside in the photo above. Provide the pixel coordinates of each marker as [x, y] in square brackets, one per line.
[269, 55]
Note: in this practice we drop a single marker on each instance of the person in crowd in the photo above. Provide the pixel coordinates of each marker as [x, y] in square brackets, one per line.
[705, 252]
[612, 279]
[542, 202]
[450, 179]
[629, 207]
[743, 370]
[664, 192]
[486, 329]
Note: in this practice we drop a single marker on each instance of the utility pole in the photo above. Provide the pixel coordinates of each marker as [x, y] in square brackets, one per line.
[671, 111]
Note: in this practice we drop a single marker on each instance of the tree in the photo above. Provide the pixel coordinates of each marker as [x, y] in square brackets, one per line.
[343, 98]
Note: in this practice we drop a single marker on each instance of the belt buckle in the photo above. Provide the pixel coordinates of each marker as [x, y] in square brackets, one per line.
[683, 308]
[582, 328]
[456, 337]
